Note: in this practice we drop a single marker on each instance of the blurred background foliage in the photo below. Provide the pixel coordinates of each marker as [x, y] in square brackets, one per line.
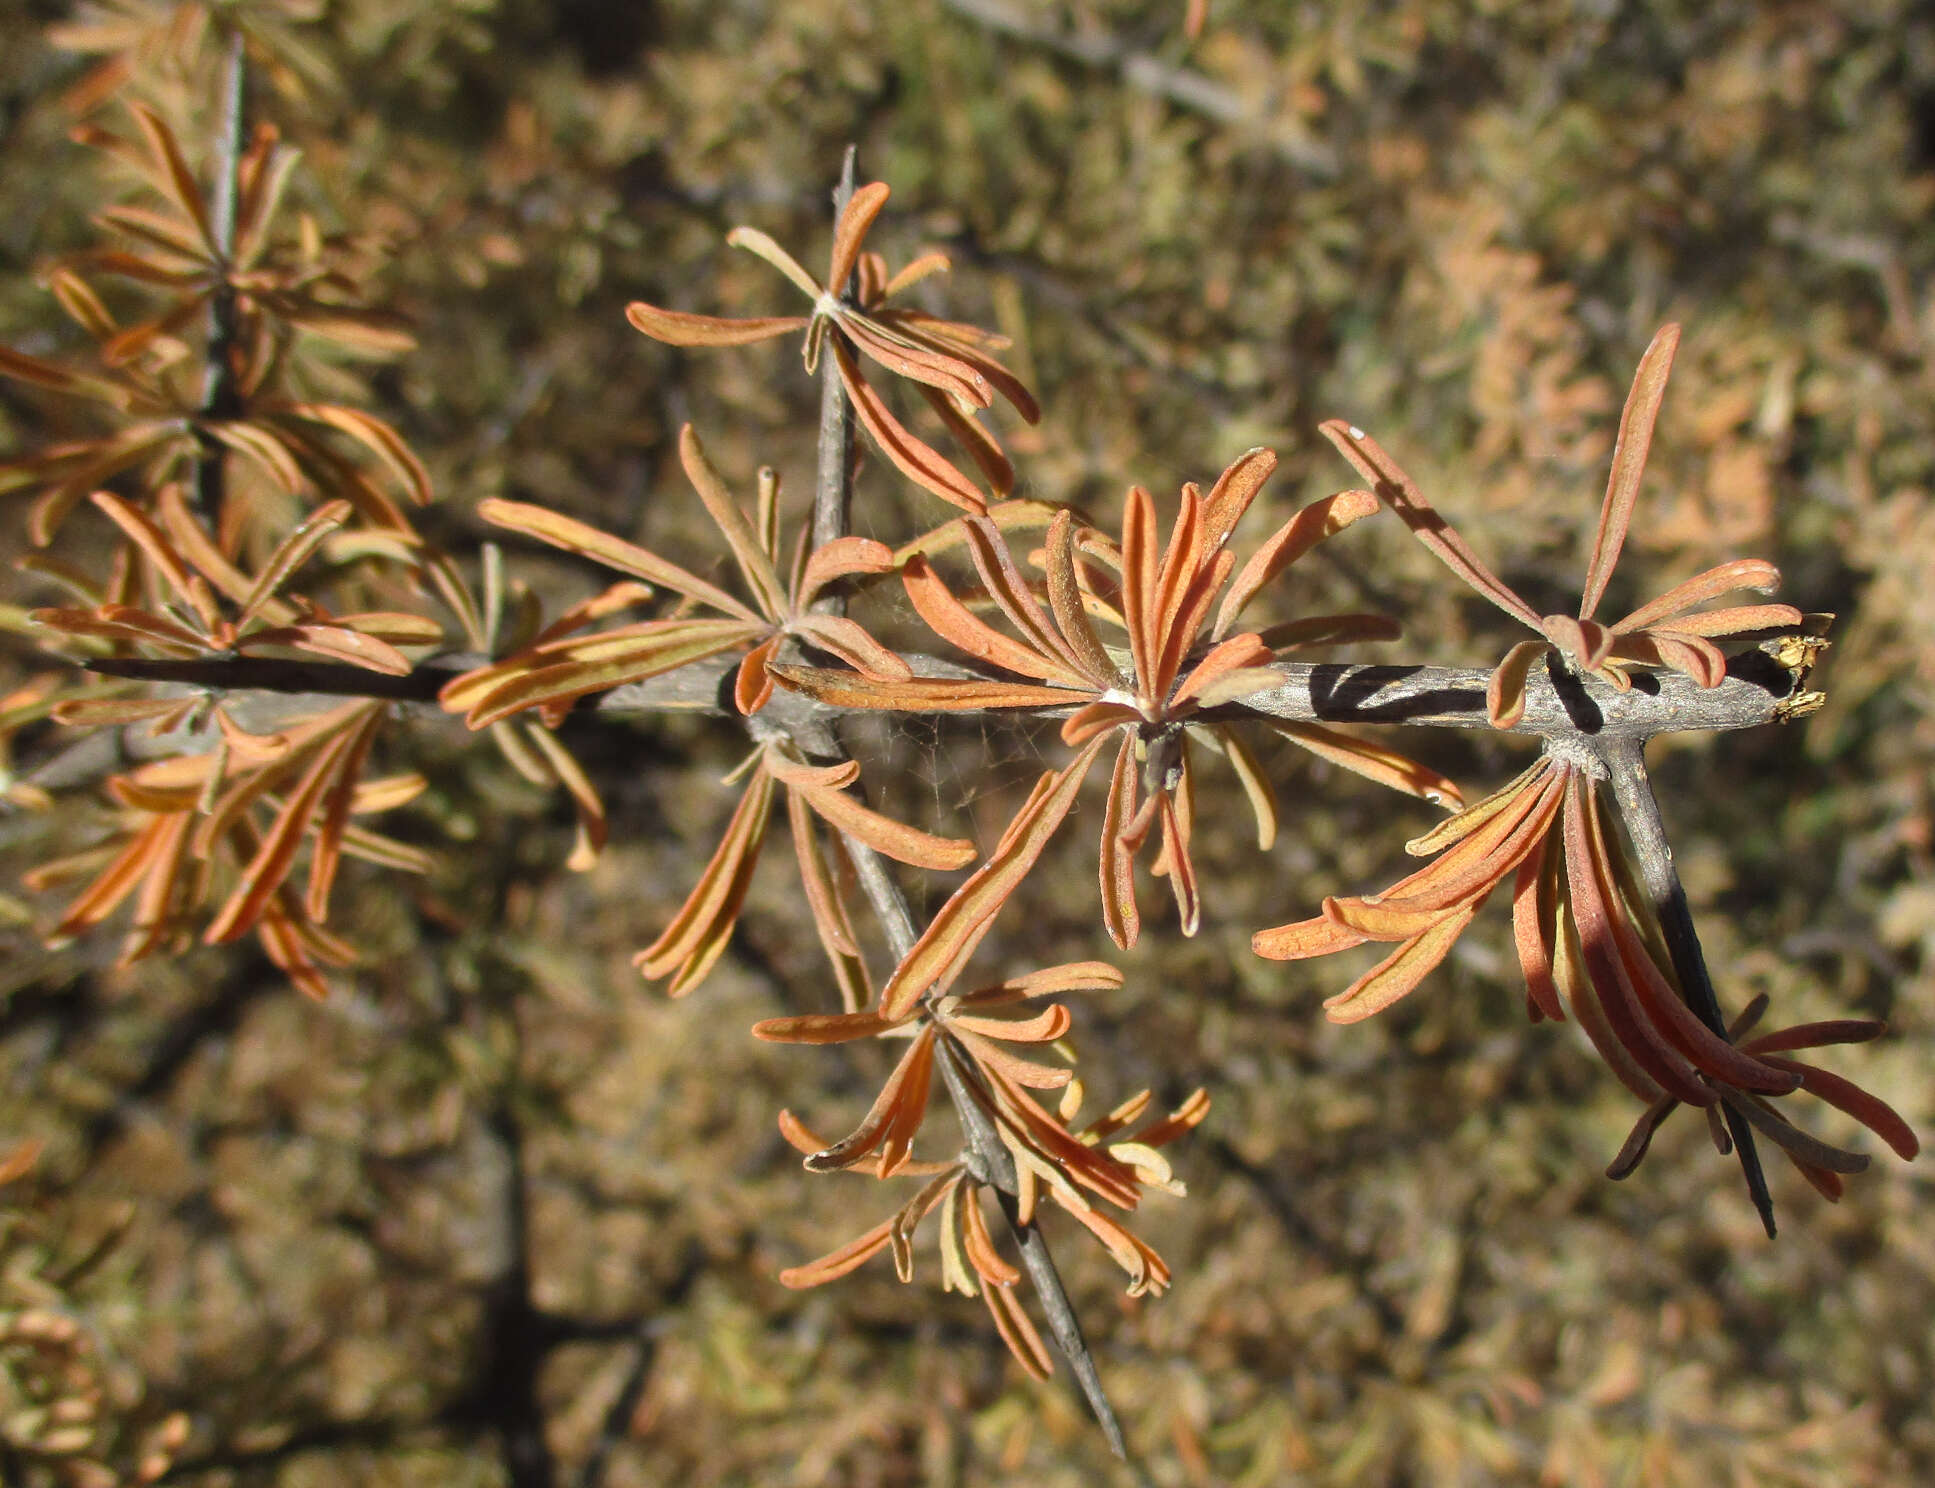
[500, 1213]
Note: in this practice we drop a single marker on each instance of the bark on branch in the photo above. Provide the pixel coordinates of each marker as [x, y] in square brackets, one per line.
[1764, 684]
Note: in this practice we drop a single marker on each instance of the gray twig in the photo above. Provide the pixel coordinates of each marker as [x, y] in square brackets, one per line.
[833, 493]
[1758, 689]
[1625, 761]
[1194, 91]
[988, 1156]
[219, 393]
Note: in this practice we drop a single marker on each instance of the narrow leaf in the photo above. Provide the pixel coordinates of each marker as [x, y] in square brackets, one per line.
[579, 537]
[936, 958]
[837, 1263]
[851, 231]
[760, 245]
[1120, 915]
[752, 559]
[1531, 935]
[174, 177]
[1629, 462]
[1733, 621]
[290, 554]
[902, 843]
[1372, 761]
[953, 622]
[916, 460]
[1304, 939]
[974, 437]
[679, 329]
[1398, 973]
[1317, 521]
[1065, 602]
[695, 937]
[1401, 494]
[918, 694]
[277, 851]
[1742, 573]
[1233, 492]
[1505, 693]
[839, 559]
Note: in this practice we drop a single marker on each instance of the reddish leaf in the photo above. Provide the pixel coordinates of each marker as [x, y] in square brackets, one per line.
[936, 958]
[1725, 578]
[699, 931]
[1319, 520]
[1399, 972]
[918, 694]
[1629, 462]
[679, 329]
[919, 462]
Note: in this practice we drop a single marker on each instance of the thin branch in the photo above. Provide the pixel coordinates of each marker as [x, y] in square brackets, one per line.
[991, 1163]
[219, 393]
[996, 1167]
[1760, 688]
[833, 493]
[1625, 761]
[988, 1156]
[1194, 91]
[273, 674]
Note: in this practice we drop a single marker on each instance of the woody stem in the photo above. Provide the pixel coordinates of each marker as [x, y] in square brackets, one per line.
[1756, 691]
[989, 1159]
[1625, 760]
[220, 395]
[833, 494]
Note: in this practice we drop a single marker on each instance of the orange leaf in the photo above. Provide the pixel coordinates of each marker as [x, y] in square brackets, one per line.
[1372, 761]
[1725, 578]
[856, 219]
[1233, 492]
[1402, 495]
[886, 1123]
[830, 917]
[1317, 521]
[849, 641]
[614, 552]
[699, 931]
[277, 851]
[753, 562]
[1734, 620]
[1399, 972]
[616, 658]
[374, 435]
[898, 841]
[837, 1263]
[936, 958]
[173, 176]
[1532, 936]
[821, 1028]
[1044, 1028]
[919, 462]
[918, 694]
[1305, 938]
[334, 818]
[838, 559]
[1505, 693]
[676, 328]
[1018, 1331]
[1049, 981]
[1610, 981]
[1629, 462]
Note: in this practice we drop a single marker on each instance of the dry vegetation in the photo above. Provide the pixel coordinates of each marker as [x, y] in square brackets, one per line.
[497, 1211]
